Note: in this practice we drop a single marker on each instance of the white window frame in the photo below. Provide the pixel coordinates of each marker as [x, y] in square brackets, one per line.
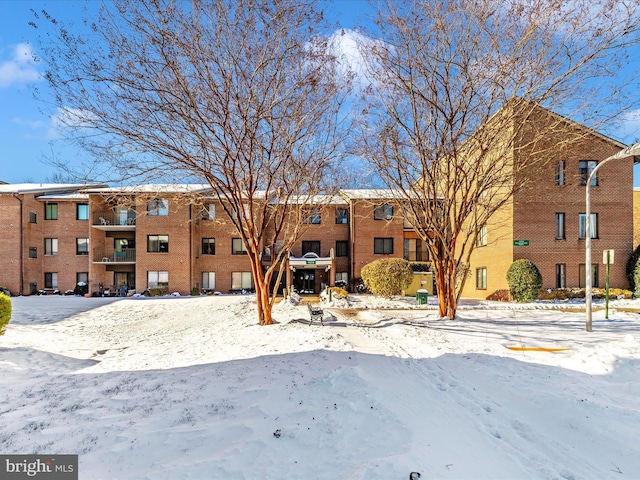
[157, 279]
[241, 280]
[208, 280]
[50, 247]
[582, 225]
[158, 207]
[209, 211]
[481, 278]
[481, 239]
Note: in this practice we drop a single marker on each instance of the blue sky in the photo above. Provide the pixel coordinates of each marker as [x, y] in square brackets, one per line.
[27, 131]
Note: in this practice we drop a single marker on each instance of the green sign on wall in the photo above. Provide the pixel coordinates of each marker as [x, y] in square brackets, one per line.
[521, 243]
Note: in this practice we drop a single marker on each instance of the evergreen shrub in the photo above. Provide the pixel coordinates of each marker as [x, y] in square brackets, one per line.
[525, 281]
[387, 276]
[633, 271]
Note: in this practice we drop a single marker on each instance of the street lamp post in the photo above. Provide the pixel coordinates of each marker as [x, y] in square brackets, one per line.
[632, 151]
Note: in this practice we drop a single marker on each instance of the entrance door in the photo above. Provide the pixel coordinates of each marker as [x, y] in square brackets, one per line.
[305, 281]
[126, 279]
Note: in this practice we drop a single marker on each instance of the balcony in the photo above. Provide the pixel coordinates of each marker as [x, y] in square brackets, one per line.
[123, 220]
[125, 256]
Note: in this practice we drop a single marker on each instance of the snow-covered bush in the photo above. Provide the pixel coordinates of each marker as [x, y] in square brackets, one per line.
[525, 281]
[387, 276]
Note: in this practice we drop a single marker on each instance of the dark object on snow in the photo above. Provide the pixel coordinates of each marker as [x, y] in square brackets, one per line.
[277, 433]
[414, 475]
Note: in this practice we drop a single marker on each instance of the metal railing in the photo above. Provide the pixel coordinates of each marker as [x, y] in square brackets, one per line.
[118, 219]
[125, 256]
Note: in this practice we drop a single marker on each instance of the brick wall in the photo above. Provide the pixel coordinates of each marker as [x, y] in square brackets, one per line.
[10, 241]
[366, 228]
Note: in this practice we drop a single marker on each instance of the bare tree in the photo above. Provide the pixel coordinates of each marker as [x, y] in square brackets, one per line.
[452, 118]
[241, 94]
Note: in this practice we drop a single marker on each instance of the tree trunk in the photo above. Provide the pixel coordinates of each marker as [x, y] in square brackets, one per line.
[261, 284]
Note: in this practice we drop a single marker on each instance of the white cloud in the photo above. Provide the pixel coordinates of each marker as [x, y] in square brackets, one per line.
[29, 123]
[67, 117]
[19, 69]
[350, 47]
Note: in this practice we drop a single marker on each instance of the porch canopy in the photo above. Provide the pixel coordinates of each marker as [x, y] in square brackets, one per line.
[310, 261]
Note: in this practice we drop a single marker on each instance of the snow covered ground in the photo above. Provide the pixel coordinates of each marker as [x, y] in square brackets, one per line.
[192, 388]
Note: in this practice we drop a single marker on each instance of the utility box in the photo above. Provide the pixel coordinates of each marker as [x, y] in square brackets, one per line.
[421, 281]
[421, 297]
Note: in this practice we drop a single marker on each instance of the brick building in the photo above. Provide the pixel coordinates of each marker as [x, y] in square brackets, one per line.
[545, 221]
[178, 237]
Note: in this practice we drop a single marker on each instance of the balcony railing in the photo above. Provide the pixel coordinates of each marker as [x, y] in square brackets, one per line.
[416, 256]
[125, 256]
[121, 219]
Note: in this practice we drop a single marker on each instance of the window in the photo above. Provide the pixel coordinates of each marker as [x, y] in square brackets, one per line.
[158, 279]
[342, 277]
[582, 282]
[561, 275]
[560, 226]
[415, 250]
[208, 280]
[481, 278]
[50, 246]
[33, 217]
[51, 280]
[82, 211]
[158, 208]
[560, 173]
[582, 225]
[158, 243]
[342, 248]
[585, 167]
[82, 277]
[237, 247]
[33, 252]
[481, 239]
[124, 216]
[51, 211]
[208, 246]
[82, 246]
[311, 215]
[208, 211]
[383, 212]
[312, 246]
[383, 245]
[342, 217]
[241, 280]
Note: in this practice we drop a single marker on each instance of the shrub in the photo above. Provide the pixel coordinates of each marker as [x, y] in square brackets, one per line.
[195, 292]
[155, 292]
[420, 267]
[569, 293]
[633, 271]
[338, 292]
[501, 295]
[387, 276]
[5, 312]
[524, 280]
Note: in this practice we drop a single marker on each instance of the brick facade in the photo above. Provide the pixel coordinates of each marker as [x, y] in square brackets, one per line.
[531, 216]
[158, 235]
